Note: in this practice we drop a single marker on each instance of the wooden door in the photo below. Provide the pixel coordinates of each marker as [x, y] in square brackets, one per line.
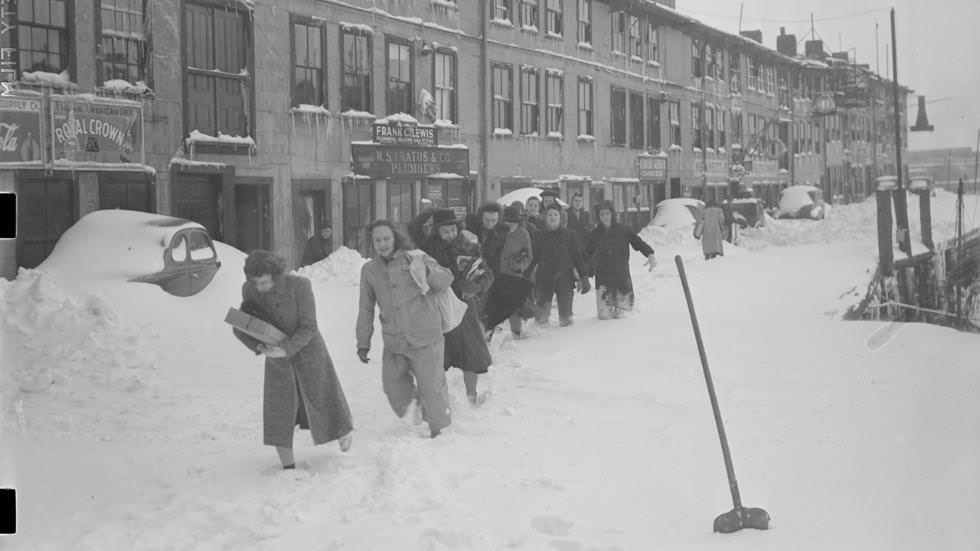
[253, 217]
[46, 209]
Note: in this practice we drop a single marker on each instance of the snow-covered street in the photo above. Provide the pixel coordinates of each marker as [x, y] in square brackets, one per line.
[134, 418]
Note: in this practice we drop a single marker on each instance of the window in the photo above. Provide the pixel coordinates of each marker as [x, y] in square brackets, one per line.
[217, 49]
[653, 42]
[710, 66]
[738, 135]
[735, 72]
[308, 48]
[617, 107]
[503, 10]
[529, 14]
[529, 101]
[358, 198]
[503, 97]
[720, 73]
[636, 37]
[753, 73]
[555, 98]
[401, 203]
[444, 83]
[637, 128]
[356, 56]
[42, 34]
[585, 21]
[653, 124]
[585, 107]
[709, 127]
[124, 40]
[399, 81]
[619, 31]
[554, 13]
[696, 125]
[674, 117]
[722, 117]
[696, 52]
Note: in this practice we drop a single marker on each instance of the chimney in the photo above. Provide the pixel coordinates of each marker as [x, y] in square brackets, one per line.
[786, 43]
[814, 49]
[753, 35]
[840, 55]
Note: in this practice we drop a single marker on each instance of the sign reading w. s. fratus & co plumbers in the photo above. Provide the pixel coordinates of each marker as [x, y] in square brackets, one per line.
[387, 161]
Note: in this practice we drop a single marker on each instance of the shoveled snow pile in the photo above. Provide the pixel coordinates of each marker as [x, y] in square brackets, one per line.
[342, 267]
[67, 353]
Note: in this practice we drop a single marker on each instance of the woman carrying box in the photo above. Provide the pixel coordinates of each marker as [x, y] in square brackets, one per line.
[301, 386]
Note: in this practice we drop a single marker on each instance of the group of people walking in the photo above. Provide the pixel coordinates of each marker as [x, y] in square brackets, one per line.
[502, 264]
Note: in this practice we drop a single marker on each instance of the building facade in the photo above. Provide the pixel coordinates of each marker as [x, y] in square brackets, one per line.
[262, 122]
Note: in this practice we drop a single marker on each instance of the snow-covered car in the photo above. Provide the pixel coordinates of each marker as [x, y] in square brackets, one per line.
[176, 254]
[680, 211]
[802, 201]
[748, 212]
[523, 195]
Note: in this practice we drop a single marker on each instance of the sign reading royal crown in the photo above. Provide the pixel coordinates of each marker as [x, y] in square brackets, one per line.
[20, 130]
[385, 161]
[405, 134]
[96, 130]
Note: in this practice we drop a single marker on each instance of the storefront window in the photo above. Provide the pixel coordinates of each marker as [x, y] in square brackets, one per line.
[401, 201]
[358, 212]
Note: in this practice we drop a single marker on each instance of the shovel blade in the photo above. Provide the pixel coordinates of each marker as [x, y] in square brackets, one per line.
[743, 517]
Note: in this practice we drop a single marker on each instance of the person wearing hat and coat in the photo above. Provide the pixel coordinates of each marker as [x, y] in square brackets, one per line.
[512, 286]
[549, 197]
[319, 246]
[459, 251]
[607, 252]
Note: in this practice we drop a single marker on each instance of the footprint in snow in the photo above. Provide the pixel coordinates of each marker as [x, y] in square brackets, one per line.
[551, 525]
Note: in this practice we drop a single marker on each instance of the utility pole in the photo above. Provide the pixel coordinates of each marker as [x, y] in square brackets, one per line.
[877, 57]
[901, 203]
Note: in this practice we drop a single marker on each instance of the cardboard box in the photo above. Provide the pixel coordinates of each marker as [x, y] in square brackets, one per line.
[253, 326]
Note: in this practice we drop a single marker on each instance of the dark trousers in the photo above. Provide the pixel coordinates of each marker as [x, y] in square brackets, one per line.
[546, 287]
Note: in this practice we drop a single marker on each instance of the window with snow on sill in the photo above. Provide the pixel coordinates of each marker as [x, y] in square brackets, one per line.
[55, 80]
[355, 114]
[307, 109]
[586, 138]
[503, 132]
[119, 86]
[357, 27]
[197, 136]
[555, 135]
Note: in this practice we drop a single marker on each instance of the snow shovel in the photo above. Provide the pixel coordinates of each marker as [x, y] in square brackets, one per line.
[739, 517]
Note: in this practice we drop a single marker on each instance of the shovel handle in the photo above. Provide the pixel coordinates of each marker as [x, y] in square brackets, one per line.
[729, 468]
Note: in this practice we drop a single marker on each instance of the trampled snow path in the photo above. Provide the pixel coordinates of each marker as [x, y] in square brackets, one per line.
[597, 436]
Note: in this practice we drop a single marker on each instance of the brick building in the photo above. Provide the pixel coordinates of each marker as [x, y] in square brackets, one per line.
[261, 121]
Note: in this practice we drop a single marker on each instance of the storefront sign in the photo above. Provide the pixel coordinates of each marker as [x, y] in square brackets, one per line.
[20, 130]
[405, 135]
[386, 161]
[716, 167]
[433, 192]
[653, 168]
[95, 131]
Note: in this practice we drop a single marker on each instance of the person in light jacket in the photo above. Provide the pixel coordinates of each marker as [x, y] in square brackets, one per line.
[301, 386]
[711, 231]
[608, 253]
[411, 324]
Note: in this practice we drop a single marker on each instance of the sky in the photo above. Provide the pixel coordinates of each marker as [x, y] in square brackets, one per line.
[932, 39]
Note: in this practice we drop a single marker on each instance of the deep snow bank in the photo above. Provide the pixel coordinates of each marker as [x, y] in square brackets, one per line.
[68, 353]
[342, 267]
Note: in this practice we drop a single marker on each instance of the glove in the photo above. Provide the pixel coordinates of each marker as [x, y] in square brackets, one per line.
[583, 285]
[650, 263]
[362, 354]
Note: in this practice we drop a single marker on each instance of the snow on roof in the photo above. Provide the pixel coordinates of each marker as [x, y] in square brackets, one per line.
[443, 123]
[83, 165]
[115, 244]
[445, 176]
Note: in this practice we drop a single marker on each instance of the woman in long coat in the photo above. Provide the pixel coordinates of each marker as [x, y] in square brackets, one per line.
[466, 347]
[711, 231]
[301, 386]
[608, 253]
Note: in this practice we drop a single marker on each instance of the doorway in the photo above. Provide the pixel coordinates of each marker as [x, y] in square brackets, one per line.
[252, 217]
[197, 197]
[46, 209]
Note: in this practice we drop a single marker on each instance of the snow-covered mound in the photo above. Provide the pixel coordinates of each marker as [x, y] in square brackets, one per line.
[342, 267]
[70, 347]
[679, 211]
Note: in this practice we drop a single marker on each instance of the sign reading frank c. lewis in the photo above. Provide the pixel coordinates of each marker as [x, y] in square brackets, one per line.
[386, 161]
[405, 135]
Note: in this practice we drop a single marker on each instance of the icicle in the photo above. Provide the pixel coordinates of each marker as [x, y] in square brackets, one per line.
[292, 120]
